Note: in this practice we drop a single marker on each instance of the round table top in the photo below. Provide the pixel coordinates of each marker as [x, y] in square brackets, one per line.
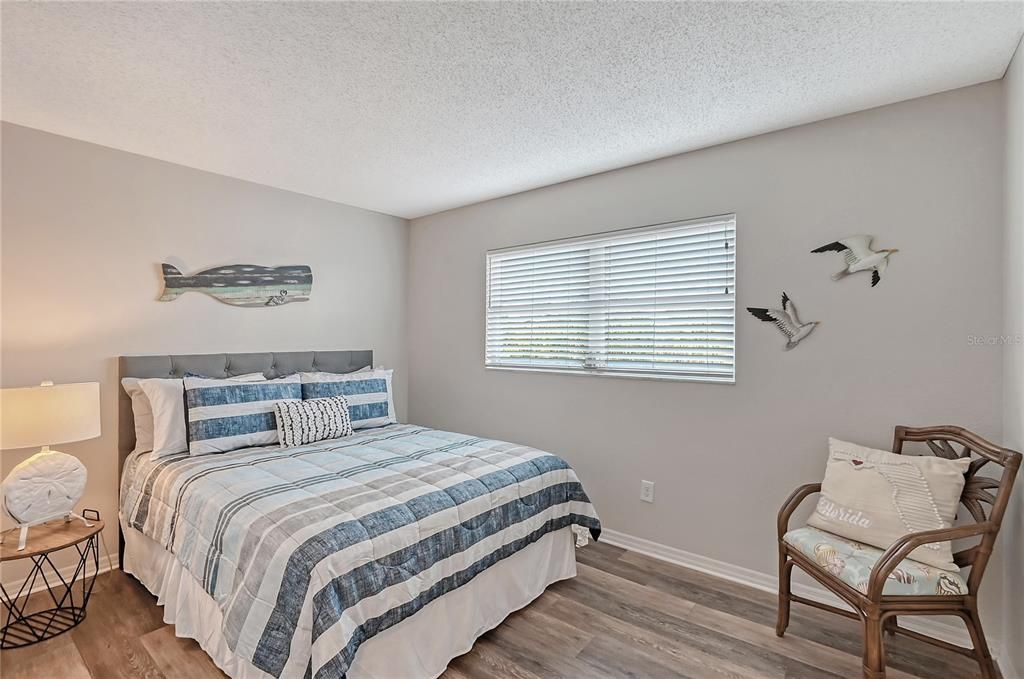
[47, 537]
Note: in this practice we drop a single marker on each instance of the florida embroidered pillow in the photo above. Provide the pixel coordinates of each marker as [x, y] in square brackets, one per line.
[318, 419]
[876, 497]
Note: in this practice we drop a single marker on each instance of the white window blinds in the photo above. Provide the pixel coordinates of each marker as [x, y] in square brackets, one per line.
[654, 301]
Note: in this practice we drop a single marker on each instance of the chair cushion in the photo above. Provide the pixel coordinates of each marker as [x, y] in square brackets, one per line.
[852, 562]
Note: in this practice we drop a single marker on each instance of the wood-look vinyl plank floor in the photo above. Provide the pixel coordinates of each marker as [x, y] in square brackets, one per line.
[625, 615]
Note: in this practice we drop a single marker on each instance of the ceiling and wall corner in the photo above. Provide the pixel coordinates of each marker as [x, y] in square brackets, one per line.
[413, 108]
[1012, 548]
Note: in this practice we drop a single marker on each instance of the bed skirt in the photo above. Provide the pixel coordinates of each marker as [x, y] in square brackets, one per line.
[419, 647]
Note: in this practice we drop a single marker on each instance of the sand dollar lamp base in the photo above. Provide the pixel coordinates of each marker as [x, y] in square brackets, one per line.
[43, 488]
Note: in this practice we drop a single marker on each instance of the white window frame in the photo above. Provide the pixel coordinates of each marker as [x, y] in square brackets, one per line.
[598, 317]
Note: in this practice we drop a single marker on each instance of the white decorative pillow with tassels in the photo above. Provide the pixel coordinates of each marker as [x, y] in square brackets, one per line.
[876, 497]
[317, 419]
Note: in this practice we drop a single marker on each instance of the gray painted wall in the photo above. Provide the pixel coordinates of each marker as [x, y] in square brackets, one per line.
[1013, 354]
[925, 176]
[84, 230]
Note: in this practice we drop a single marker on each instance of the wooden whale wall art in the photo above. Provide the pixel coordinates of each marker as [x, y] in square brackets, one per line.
[242, 284]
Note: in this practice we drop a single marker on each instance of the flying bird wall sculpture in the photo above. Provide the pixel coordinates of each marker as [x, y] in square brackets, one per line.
[858, 256]
[786, 320]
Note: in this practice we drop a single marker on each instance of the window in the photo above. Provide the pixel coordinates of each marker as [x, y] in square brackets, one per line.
[655, 301]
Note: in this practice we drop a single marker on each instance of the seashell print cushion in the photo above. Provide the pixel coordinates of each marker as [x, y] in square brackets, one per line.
[852, 561]
[876, 497]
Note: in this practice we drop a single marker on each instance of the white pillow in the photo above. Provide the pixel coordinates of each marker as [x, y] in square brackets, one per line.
[166, 398]
[142, 414]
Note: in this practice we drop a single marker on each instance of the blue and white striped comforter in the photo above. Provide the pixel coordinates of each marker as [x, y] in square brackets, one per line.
[310, 551]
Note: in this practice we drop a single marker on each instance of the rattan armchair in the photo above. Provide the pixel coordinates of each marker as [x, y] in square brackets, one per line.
[985, 498]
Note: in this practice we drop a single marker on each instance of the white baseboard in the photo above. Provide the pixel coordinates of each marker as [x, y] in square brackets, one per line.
[12, 585]
[1006, 667]
[770, 583]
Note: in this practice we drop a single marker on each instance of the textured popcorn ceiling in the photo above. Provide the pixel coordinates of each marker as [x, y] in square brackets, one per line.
[412, 108]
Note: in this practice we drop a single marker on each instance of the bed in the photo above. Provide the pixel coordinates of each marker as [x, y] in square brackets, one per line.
[381, 555]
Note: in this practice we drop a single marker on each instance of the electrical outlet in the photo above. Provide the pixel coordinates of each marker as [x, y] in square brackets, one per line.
[647, 491]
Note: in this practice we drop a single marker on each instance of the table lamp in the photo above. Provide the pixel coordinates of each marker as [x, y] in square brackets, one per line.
[48, 485]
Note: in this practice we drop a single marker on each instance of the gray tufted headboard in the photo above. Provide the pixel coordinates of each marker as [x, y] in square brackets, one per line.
[271, 364]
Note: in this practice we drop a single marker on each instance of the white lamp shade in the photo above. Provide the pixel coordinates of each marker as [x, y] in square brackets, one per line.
[48, 415]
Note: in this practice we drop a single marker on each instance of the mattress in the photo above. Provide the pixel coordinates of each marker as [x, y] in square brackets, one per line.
[310, 553]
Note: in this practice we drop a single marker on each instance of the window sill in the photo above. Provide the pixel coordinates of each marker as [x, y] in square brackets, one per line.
[707, 379]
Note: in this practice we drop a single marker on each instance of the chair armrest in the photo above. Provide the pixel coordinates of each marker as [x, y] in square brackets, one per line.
[790, 505]
[899, 550]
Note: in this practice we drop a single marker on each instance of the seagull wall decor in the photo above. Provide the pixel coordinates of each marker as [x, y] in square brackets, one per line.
[859, 256]
[786, 320]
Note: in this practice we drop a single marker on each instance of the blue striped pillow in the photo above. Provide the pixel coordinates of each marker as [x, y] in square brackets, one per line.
[368, 392]
[226, 415]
